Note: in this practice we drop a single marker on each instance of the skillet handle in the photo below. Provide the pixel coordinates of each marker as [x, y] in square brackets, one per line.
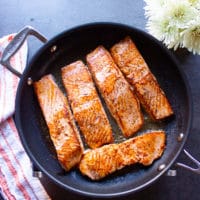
[195, 170]
[15, 44]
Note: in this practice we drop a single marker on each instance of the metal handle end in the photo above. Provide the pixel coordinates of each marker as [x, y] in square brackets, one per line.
[195, 170]
[15, 45]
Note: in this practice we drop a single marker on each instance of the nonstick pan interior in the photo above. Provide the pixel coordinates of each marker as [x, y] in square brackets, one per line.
[70, 46]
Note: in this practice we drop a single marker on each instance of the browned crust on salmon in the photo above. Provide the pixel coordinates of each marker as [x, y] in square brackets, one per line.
[144, 149]
[114, 88]
[59, 119]
[86, 105]
[132, 64]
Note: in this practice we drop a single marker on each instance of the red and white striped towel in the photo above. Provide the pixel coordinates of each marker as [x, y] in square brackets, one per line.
[16, 181]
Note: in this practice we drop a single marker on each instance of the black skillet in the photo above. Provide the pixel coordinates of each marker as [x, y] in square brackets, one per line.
[74, 44]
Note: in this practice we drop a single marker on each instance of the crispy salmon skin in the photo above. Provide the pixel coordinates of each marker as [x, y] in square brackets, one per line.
[144, 149]
[59, 119]
[132, 64]
[86, 105]
[120, 100]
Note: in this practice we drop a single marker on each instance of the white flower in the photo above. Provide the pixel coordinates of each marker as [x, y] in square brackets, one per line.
[163, 31]
[174, 21]
[191, 38]
[180, 13]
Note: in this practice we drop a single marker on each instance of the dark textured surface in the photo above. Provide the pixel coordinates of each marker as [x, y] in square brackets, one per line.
[53, 17]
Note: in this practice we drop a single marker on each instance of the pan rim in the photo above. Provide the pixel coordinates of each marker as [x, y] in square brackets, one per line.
[92, 194]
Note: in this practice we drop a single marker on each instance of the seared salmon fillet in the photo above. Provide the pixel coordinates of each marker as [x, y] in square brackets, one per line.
[144, 149]
[132, 64]
[114, 88]
[59, 119]
[86, 105]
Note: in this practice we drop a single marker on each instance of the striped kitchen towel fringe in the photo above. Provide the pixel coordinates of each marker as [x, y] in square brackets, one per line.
[8, 81]
[16, 181]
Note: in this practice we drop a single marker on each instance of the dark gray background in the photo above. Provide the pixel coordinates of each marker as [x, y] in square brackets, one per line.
[54, 16]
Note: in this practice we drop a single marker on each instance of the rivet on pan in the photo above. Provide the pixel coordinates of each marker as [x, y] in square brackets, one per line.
[161, 167]
[53, 48]
[180, 137]
[29, 81]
